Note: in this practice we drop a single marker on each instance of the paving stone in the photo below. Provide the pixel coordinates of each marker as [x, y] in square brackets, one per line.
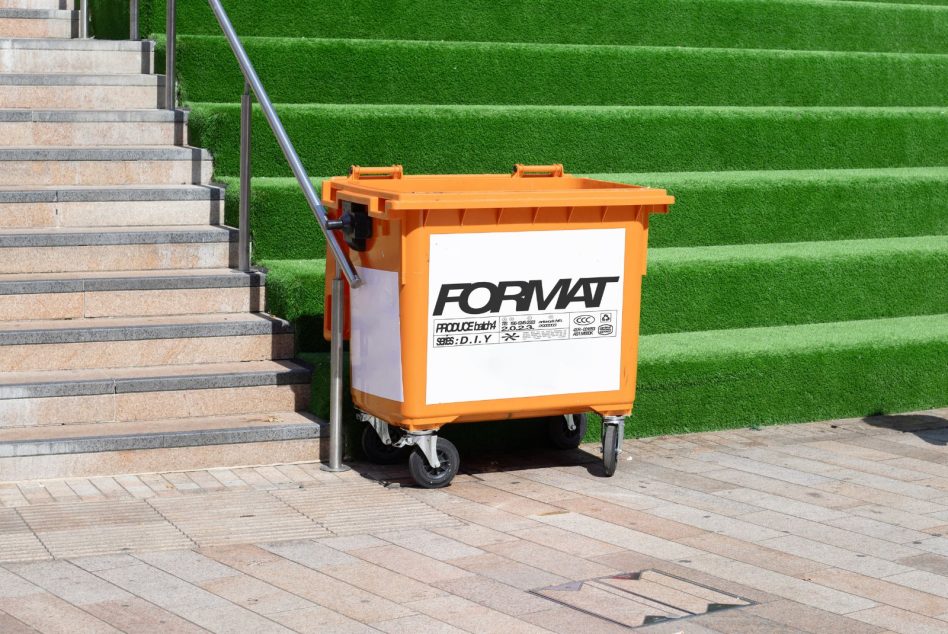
[834, 556]
[10, 625]
[411, 564]
[497, 596]
[567, 541]
[35, 493]
[473, 512]
[879, 530]
[881, 591]
[68, 582]
[922, 580]
[809, 619]
[901, 621]
[188, 565]
[430, 544]
[137, 615]
[382, 582]
[474, 535]
[10, 496]
[47, 613]
[312, 585]
[550, 560]
[359, 506]
[310, 554]
[353, 542]
[930, 563]
[638, 520]
[255, 595]
[914, 520]
[754, 554]
[234, 517]
[783, 504]
[470, 616]
[765, 469]
[715, 523]
[110, 488]
[500, 499]
[518, 575]
[135, 487]
[563, 620]
[17, 541]
[319, 620]
[417, 624]
[61, 491]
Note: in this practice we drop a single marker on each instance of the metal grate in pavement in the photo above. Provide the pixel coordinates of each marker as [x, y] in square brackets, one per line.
[355, 507]
[94, 528]
[236, 517]
[637, 599]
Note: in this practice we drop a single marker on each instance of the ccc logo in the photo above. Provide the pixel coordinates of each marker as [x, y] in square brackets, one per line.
[584, 320]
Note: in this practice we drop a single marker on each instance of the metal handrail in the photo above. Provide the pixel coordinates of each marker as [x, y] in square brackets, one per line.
[276, 126]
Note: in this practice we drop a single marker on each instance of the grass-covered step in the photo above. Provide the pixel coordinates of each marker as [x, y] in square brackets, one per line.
[711, 208]
[483, 139]
[700, 381]
[710, 288]
[788, 24]
[717, 379]
[389, 72]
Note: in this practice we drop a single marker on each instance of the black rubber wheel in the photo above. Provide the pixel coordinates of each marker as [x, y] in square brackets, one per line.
[378, 452]
[610, 446]
[561, 436]
[429, 478]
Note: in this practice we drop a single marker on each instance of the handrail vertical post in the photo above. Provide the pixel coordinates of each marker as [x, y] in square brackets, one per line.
[170, 43]
[133, 20]
[246, 125]
[83, 18]
[335, 375]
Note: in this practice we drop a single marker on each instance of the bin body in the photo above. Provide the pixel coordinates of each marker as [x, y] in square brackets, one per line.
[493, 296]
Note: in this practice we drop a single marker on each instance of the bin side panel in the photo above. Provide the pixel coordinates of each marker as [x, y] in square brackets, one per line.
[375, 343]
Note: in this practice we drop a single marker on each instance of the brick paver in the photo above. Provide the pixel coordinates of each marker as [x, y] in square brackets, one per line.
[826, 527]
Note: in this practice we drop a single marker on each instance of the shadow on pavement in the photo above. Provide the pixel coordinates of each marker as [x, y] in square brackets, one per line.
[931, 429]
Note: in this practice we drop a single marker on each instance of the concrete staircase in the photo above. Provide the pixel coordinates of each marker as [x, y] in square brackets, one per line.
[128, 342]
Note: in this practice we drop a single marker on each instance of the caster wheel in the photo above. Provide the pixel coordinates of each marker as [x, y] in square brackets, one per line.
[560, 434]
[425, 475]
[378, 452]
[610, 448]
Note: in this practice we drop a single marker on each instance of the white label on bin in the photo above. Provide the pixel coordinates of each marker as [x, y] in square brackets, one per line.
[375, 344]
[522, 314]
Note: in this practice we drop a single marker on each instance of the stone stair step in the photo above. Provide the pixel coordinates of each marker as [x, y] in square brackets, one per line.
[49, 5]
[92, 128]
[159, 445]
[166, 165]
[42, 399]
[117, 249]
[88, 344]
[115, 206]
[45, 23]
[50, 55]
[76, 295]
[78, 91]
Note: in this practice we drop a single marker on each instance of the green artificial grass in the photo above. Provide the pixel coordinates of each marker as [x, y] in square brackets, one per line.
[714, 380]
[108, 19]
[295, 288]
[711, 208]
[283, 226]
[714, 288]
[389, 72]
[773, 24]
[711, 288]
[482, 139]
[702, 381]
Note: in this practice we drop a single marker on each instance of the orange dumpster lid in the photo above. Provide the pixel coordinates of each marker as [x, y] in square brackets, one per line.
[389, 189]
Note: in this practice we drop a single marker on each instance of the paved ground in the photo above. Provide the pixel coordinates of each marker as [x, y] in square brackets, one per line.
[825, 528]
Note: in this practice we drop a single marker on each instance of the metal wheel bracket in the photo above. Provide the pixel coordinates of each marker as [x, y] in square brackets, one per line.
[570, 421]
[380, 427]
[426, 441]
[619, 423]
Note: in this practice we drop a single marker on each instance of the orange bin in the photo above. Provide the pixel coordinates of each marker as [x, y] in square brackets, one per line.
[491, 297]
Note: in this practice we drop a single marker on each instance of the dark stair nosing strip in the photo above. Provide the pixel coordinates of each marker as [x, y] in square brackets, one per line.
[82, 79]
[76, 45]
[253, 279]
[63, 238]
[93, 116]
[114, 194]
[100, 387]
[95, 334]
[162, 440]
[168, 153]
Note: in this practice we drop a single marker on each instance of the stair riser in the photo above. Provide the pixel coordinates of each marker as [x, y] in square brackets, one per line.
[81, 97]
[142, 406]
[30, 27]
[54, 61]
[49, 5]
[183, 172]
[118, 257]
[154, 460]
[140, 303]
[110, 214]
[148, 352]
[75, 134]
